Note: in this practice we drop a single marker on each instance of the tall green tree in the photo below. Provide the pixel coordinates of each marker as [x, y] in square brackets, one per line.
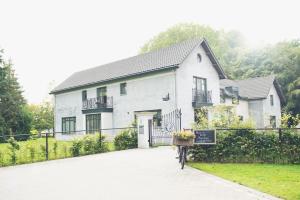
[228, 47]
[14, 117]
[240, 62]
[43, 116]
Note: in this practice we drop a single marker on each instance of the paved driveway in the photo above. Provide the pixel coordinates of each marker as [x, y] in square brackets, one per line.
[140, 174]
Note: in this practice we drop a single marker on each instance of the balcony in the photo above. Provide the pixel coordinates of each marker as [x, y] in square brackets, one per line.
[98, 104]
[201, 98]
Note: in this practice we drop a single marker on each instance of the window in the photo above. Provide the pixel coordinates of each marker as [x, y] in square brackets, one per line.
[157, 119]
[68, 124]
[199, 57]
[272, 100]
[235, 100]
[273, 121]
[101, 92]
[93, 123]
[222, 96]
[199, 84]
[84, 95]
[123, 88]
[241, 118]
[102, 96]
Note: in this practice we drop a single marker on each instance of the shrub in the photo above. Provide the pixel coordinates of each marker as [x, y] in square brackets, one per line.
[250, 146]
[31, 152]
[75, 148]
[55, 146]
[65, 150]
[43, 151]
[100, 145]
[13, 147]
[126, 139]
[89, 143]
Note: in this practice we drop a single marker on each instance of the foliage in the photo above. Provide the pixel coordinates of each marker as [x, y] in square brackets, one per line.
[55, 146]
[14, 117]
[89, 144]
[30, 151]
[43, 116]
[184, 135]
[279, 180]
[13, 147]
[250, 146]
[222, 116]
[126, 139]
[75, 148]
[289, 121]
[239, 62]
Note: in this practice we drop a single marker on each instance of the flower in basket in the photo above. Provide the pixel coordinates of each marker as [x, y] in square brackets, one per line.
[184, 135]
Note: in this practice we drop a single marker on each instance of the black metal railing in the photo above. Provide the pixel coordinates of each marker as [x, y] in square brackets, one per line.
[98, 102]
[201, 97]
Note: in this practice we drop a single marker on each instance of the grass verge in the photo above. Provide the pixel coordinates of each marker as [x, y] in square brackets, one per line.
[279, 180]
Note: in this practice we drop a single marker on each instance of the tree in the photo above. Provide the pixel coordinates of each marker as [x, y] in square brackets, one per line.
[228, 47]
[14, 118]
[240, 62]
[43, 116]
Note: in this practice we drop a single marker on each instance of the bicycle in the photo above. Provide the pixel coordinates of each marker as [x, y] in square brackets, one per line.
[182, 152]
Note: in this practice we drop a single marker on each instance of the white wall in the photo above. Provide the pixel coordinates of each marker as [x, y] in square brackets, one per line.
[184, 81]
[274, 110]
[256, 110]
[241, 109]
[143, 93]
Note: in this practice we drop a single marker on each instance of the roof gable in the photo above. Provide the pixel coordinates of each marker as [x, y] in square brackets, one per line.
[169, 57]
[255, 88]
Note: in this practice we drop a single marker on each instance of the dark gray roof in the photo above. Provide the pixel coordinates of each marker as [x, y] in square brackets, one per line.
[254, 88]
[169, 57]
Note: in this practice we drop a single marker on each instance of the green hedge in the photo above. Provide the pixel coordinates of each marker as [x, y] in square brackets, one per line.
[248, 146]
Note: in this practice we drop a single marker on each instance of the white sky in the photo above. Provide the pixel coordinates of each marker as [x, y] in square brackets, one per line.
[49, 40]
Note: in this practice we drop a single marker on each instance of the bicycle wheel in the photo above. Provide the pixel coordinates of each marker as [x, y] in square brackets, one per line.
[183, 157]
[179, 153]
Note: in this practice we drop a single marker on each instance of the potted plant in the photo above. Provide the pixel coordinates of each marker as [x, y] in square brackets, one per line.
[184, 138]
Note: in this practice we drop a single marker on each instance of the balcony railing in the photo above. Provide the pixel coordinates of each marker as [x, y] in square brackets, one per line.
[201, 98]
[98, 103]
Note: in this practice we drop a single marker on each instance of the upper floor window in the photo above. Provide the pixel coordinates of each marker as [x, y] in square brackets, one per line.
[199, 57]
[101, 92]
[84, 95]
[199, 84]
[68, 124]
[271, 100]
[123, 88]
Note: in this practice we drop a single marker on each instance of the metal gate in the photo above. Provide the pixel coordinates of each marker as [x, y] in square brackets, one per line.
[162, 132]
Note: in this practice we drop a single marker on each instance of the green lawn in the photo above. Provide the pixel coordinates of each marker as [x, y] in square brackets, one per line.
[24, 155]
[278, 180]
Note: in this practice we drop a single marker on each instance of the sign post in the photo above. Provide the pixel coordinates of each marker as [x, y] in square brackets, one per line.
[205, 136]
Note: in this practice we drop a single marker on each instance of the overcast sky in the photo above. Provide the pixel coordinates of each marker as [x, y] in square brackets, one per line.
[49, 40]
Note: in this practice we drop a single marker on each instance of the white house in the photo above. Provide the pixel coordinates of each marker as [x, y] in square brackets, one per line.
[184, 76]
[257, 98]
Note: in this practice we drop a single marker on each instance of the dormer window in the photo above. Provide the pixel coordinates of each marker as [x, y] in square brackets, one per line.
[199, 57]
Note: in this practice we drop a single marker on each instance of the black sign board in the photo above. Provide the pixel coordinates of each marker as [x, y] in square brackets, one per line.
[205, 136]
